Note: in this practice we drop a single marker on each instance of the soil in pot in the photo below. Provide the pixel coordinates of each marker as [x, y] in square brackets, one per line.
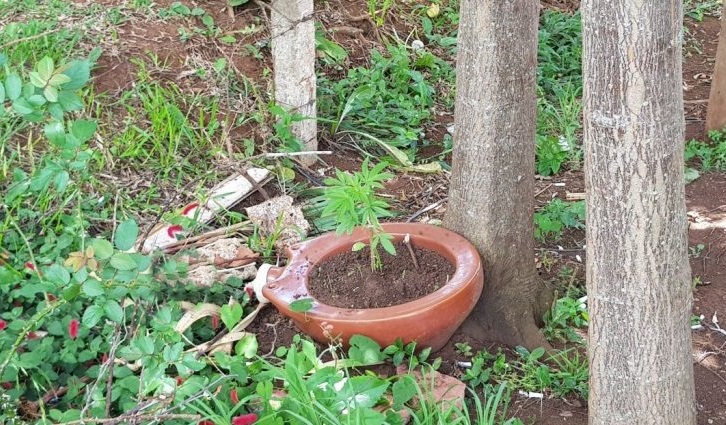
[347, 281]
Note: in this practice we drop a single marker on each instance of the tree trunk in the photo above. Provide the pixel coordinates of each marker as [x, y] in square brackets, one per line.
[638, 276]
[716, 113]
[491, 197]
[293, 57]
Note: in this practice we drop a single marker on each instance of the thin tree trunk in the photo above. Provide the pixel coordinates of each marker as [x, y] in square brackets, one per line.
[293, 57]
[638, 276]
[716, 114]
[492, 181]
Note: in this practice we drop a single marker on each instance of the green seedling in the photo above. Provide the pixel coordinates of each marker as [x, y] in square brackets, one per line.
[352, 200]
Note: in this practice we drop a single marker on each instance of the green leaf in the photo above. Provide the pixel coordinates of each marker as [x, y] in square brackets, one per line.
[69, 101]
[365, 351]
[231, 314]
[51, 93]
[22, 106]
[302, 305]
[57, 274]
[71, 292]
[145, 344]
[192, 363]
[37, 100]
[92, 316]
[126, 234]
[113, 310]
[122, 261]
[37, 80]
[58, 80]
[385, 240]
[235, 3]
[247, 346]
[13, 86]
[363, 391]
[172, 353]
[102, 248]
[55, 111]
[358, 246]
[404, 389]
[93, 288]
[45, 68]
[227, 39]
[2, 96]
[83, 130]
[55, 132]
[61, 181]
[79, 73]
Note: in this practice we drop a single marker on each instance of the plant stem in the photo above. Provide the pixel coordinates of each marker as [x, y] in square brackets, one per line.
[407, 242]
[37, 317]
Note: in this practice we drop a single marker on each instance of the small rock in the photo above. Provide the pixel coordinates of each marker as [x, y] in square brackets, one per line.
[417, 45]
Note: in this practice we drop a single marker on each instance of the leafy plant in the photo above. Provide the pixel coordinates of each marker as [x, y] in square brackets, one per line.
[378, 9]
[712, 154]
[698, 9]
[551, 154]
[352, 200]
[566, 313]
[391, 100]
[551, 220]
[559, 82]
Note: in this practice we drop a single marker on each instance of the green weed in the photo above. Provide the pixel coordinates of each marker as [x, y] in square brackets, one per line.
[391, 100]
[699, 9]
[556, 216]
[559, 81]
[566, 313]
[560, 374]
[711, 155]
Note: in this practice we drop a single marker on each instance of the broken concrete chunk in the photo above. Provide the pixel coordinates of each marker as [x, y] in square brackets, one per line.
[278, 215]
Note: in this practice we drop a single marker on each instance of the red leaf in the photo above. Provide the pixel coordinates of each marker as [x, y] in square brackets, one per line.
[73, 329]
[51, 297]
[215, 321]
[247, 419]
[189, 208]
[233, 396]
[205, 422]
[30, 266]
[3, 325]
[31, 335]
[173, 230]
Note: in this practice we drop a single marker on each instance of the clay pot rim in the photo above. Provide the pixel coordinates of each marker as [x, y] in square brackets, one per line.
[452, 246]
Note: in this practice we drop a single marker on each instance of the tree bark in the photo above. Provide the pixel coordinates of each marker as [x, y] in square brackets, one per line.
[491, 197]
[638, 276]
[293, 57]
[716, 113]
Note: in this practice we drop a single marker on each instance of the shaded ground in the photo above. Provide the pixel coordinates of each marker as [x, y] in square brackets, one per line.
[180, 61]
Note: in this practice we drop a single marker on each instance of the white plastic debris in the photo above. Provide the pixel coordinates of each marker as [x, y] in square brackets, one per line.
[259, 282]
[530, 394]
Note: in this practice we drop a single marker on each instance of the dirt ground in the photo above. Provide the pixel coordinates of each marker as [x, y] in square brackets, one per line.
[410, 193]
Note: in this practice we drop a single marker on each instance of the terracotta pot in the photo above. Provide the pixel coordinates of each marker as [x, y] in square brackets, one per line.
[430, 321]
